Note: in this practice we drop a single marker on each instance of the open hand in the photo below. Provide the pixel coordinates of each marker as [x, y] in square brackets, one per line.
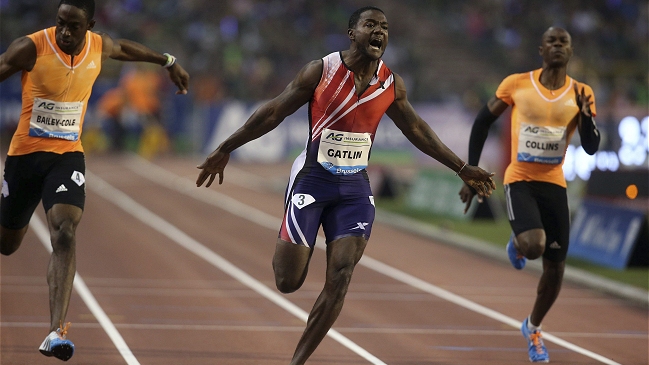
[466, 195]
[179, 77]
[583, 101]
[477, 181]
[213, 165]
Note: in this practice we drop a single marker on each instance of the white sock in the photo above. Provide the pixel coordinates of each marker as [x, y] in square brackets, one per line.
[532, 327]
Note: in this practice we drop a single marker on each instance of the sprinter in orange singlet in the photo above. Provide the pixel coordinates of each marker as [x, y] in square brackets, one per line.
[547, 107]
[45, 160]
[348, 92]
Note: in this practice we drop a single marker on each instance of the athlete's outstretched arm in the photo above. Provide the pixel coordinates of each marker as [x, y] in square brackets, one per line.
[126, 50]
[483, 121]
[426, 140]
[263, 120]
[21, 55]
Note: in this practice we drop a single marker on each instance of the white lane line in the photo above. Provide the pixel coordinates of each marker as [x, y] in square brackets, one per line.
[185, 186]
[80, 286]
[156, 222]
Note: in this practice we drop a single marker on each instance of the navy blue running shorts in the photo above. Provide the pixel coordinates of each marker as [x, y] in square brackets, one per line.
[343, 205]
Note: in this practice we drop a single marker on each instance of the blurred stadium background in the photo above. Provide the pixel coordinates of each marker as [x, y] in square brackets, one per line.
[451, 54]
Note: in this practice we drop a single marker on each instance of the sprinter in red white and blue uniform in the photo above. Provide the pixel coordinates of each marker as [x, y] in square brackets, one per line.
[348, 92]
[330, 172]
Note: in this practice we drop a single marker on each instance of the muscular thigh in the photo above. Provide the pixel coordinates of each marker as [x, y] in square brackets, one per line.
[522, 207]
[555, 215]
[352, 215]
[22, 187]
[343, 206]
[305, 201]
[65, 182]
[532, 205]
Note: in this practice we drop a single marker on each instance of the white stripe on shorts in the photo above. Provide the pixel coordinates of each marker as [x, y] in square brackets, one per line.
[508, 199]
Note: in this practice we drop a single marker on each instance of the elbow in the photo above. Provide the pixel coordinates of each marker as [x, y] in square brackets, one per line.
[591, 150]
[590, 146]
[590, 142]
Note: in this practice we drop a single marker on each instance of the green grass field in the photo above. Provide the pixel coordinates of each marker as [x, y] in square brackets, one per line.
[497, 232]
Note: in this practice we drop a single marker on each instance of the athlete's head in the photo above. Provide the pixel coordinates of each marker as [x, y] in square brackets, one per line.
[73, 19]
[368, 27]
[556, 47]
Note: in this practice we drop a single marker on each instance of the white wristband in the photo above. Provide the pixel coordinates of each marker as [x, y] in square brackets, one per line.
[171, 60]
[461, 168]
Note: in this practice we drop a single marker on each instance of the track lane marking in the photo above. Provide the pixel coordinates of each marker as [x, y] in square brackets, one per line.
[82, 289]
[185, 186]
[126, 203]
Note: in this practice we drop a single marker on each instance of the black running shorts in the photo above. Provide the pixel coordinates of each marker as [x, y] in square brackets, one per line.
[54, 178]
[535, 204]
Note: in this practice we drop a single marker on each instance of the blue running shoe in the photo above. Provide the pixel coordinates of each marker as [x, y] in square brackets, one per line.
[517, 260]
[535, 347]
[56, 344]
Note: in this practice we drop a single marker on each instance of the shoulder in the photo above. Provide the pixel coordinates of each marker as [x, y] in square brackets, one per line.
[309, 76]
[312, 68]
[400, 92]
[23, 48]
[105, 38]
[105, 41]
[36, 35]
[398, 80]
[517, 77]
[587, 88]
[20, 56]
[25, 42]
[513, 82]
[97, 35]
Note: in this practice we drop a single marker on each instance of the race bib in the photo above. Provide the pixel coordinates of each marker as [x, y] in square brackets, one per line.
[56, 119]
[541, 144]
[344, 153]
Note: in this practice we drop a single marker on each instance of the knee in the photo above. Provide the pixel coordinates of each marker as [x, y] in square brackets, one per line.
[532, 246]
[10, 240]
[287, 281]
[339, 280]
[63, 237]
[554, 270]
[286, 285]
[7, 248]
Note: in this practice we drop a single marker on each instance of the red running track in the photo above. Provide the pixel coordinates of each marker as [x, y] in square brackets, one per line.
[172, 274]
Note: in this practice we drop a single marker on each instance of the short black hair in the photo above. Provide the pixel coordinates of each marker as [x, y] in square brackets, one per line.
[86, 5]
[357, 15]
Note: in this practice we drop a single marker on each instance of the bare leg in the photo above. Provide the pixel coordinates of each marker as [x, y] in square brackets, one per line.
[548, 289]
[290, 265]
[62, 220]
[342, 256]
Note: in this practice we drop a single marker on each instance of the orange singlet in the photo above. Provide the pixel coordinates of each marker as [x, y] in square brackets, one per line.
[543, 123]
[55, 96]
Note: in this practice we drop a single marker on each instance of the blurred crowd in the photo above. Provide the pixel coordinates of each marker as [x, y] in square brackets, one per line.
[250, 49]
[610, 39]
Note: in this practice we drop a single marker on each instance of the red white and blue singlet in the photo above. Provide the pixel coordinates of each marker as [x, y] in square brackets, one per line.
[328, 183]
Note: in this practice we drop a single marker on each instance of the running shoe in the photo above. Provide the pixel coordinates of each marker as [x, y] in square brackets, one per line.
[517, 260]
[535, 347]
[56, 344]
